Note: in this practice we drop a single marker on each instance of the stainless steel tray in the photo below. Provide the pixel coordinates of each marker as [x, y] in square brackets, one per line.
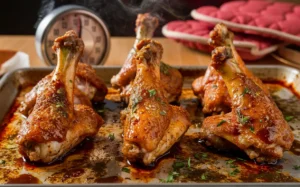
[99, 160]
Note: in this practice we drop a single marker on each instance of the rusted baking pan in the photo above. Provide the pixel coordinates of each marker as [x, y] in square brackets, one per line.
[99, 161]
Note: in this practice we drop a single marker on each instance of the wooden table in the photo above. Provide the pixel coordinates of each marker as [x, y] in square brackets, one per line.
[174, 53]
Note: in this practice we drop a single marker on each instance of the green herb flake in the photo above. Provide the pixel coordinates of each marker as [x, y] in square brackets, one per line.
[70, 81]
[215, 86]
[101, 111]
[178, 165]
[242, 119]
[234, 172]
[240, 159]
[189, 162]
[230, 161]
[233, 166]
[296, 167]
[252, 129]
[260, 121]
[164, 68]
[2, 161]
[163, 112]
[203, 176]
[245, 119]
[204, 155]
[111, 137]
[152, 92]
[246, 91]
[127, 170]
[171, 176]
[221, 123]
[135, 102]
[59, 104]
[201, 156]
[288, 118]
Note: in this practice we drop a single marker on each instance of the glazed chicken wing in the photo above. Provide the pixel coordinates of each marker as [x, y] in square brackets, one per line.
[210, 88]
[55, 124]
[151, 125]
[170, 77]
[255, 124]
[88, 86]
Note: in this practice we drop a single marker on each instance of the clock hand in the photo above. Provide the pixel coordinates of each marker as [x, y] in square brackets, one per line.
[79, 27]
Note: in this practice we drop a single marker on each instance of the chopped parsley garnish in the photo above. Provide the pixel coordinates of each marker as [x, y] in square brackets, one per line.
[246, 91]
[252, 129]
[59, 104]
[178, 165]
[230, 161]
[221, 123]
[2, 161]
[127, 170]
[163, 112]
[164, 68]
[215, 86]
[111, 137]
[152, 92]
[203, 176]
[242, 119]
[200, 156]
[234, 172]
[135, 102]
[101, 111]
[189, 162]
[240, 159]
[296, 167]
[260, 121]
[288, 118]
[70, 81]
[171, 176]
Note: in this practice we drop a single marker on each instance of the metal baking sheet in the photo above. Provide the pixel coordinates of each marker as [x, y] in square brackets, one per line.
[98, 161]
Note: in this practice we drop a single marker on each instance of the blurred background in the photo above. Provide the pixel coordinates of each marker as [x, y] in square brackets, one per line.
[21, 17]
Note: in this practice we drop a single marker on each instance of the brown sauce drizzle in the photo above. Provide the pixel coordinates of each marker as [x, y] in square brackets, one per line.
[73, 173]
[24, 179]
[111, 179]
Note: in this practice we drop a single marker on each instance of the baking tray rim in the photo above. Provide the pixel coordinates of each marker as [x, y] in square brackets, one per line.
[193, 67]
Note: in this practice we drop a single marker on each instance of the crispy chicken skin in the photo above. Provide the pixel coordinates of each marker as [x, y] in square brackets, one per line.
[55, 124]
[88, 87]
[255, 124]
[210, 88]
[151, 125]
[170, 77]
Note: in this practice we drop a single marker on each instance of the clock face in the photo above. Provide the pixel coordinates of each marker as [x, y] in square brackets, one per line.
[92, 32]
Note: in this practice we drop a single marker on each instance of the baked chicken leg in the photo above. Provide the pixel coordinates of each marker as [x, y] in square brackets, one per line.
[210, 88]
[55, 124]
[151, 125]
[255, 124]
[170, 77]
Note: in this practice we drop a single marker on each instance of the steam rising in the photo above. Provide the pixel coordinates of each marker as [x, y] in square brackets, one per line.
[156, 7]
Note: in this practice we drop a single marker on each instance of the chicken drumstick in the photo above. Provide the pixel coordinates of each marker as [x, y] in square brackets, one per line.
[255, 124]
[55, 124]
[151, 125]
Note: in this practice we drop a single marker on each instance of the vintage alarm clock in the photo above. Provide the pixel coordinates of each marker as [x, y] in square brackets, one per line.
[85, 22]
